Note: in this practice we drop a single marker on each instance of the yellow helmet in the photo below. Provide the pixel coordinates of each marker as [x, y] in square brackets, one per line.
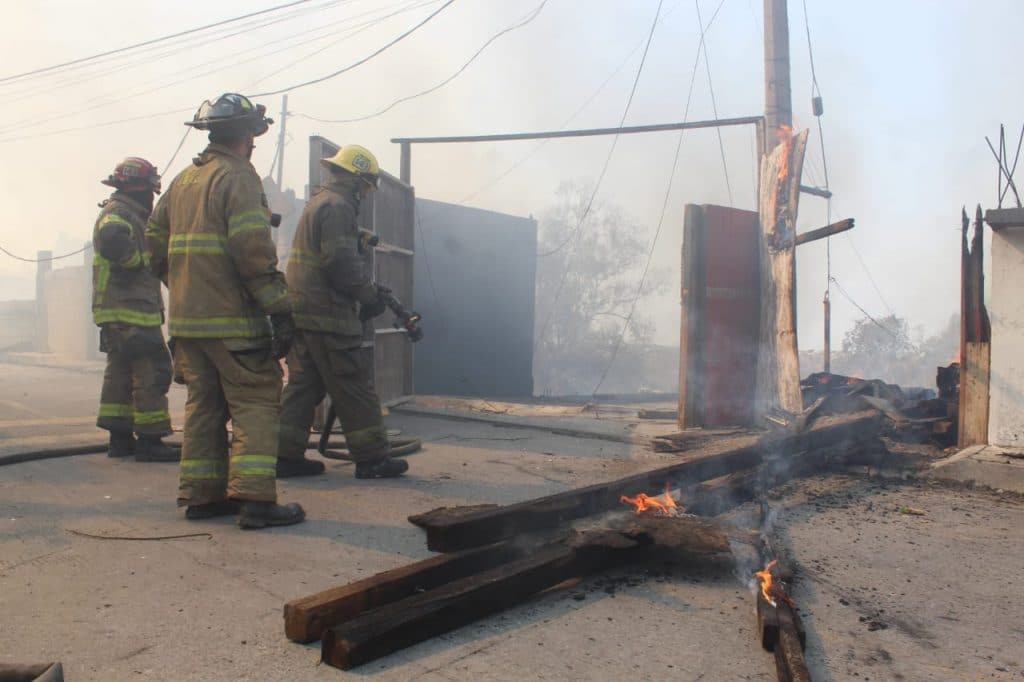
[356, 160]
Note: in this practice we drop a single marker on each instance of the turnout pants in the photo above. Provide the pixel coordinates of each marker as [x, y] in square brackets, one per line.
[236, 380]
[326, 364]
[135, 383]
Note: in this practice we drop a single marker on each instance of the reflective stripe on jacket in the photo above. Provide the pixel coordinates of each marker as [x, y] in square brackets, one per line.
[209, 239]
[124, 290]
[327, 277]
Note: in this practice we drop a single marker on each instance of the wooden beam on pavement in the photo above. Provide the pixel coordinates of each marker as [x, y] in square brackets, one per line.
[451, 529]
[822, 232]
[306, 619]
[400, 624]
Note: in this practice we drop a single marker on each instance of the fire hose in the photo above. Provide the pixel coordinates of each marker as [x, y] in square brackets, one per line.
[399, 448]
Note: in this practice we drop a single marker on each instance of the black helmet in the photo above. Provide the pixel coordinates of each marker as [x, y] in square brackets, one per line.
[231, 109]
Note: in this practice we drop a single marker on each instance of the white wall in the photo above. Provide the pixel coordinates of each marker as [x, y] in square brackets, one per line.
[72, 334]
[1006, 407]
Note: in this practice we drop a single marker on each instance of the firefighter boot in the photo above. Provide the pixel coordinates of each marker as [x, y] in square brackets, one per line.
[382, 468]
[263, 514]
[291, 467]
[197, 512]
[152, 449]
[122, 444]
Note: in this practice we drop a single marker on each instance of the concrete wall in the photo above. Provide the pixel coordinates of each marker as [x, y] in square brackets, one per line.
[17, 325]
[1006, 310]
[71, 333]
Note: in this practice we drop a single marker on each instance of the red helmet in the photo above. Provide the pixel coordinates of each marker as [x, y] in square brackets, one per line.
[134, 174]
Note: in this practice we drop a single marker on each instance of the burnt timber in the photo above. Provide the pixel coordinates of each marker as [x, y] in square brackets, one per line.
[378, 632]
[452, 530]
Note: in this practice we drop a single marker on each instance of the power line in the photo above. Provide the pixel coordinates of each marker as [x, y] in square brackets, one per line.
[508, 29]
[100, 102]
[523, 159]
[155, 114]
[362, 61]
[152, 41]
[574, 235]
[122, 63]
[664, 203]
[177, 149]
[896, 335]
[714, 105]
[44, 260]
[356, 31]
[104, 124]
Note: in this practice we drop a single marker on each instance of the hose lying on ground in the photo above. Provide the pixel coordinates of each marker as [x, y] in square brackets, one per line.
[399, 448]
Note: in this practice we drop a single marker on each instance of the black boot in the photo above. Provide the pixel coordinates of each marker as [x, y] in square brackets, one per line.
[263, 514]
[152, 449]
[122, 444]
[292, 468]
[196, 512]
[382, 468]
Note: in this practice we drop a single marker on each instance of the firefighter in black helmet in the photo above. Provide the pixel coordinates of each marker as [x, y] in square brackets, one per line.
[209, 238]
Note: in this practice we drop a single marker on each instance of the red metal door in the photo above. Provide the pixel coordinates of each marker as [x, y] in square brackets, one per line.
[721, 316]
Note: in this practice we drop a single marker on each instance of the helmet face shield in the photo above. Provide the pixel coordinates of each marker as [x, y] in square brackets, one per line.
[234, 109]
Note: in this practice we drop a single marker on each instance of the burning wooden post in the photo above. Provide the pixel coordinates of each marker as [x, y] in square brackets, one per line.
[778, 365]
[780, 628]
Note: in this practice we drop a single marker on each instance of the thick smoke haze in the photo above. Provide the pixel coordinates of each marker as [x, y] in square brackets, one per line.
[910, 91]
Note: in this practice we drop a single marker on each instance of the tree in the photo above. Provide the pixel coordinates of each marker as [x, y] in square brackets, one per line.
[883, 349]
[587, 277]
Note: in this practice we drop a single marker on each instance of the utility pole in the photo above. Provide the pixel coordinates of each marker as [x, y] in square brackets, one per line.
[280, 142]
[778, 97]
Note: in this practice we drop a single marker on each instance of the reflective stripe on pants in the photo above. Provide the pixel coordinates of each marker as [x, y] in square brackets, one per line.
[245, 387]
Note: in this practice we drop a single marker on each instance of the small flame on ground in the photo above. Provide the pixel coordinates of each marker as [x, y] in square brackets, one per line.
[765, 578]
[663, 504]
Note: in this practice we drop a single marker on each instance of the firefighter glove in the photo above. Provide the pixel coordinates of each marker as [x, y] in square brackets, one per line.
[282, 334]
[368, 311]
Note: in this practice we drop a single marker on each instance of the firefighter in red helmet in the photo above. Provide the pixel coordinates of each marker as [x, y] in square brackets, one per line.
[128, 308]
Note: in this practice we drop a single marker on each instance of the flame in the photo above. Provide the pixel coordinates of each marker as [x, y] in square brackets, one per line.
[784, 135]
[769, 588]
[663, 504]
[765, 578]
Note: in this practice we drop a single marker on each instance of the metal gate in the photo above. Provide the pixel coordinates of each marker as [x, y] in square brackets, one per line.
[389, 213]
[721, 303]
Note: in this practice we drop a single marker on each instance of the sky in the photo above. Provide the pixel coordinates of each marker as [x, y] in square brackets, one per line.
[910, 88]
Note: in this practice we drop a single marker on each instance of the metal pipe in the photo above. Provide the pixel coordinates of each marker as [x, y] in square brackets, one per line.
[589, 132]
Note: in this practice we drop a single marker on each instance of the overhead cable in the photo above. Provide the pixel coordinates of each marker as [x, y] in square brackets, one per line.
[152, 41]
[574, 235]
[508, 29]
[359, 62]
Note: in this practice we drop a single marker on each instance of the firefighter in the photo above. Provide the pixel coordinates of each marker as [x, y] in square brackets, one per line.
[332, 296]
[209, 240]
[128, 308]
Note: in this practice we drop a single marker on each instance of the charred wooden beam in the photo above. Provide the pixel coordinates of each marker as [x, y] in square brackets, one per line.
[306, 619]
[394, 626]
[451, 529]
[827, 231]
[401, 624]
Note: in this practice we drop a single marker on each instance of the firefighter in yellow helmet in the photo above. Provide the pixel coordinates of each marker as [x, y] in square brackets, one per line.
[209, 239]
[127, 307]
[332, 294]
